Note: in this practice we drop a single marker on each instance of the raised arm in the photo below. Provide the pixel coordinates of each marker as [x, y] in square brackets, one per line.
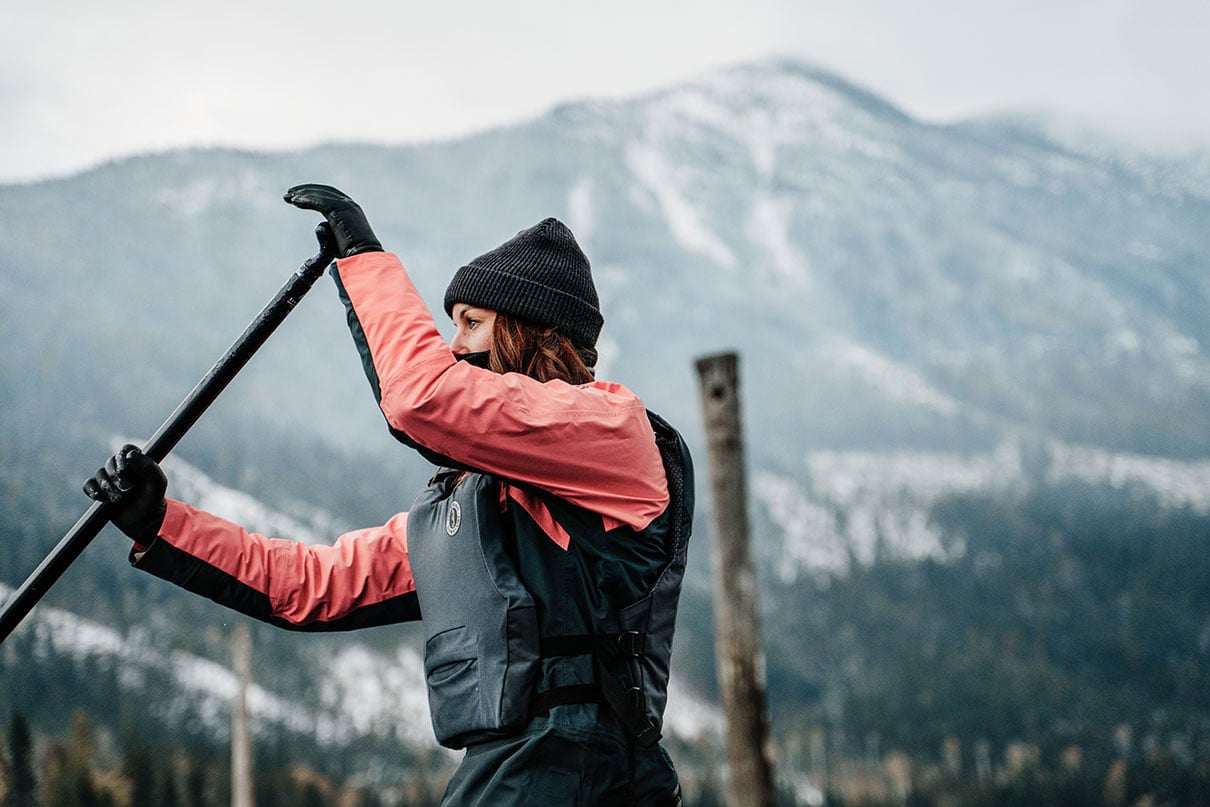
[590, 444]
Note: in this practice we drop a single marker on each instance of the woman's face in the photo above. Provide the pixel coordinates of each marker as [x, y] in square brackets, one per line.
[474, 334]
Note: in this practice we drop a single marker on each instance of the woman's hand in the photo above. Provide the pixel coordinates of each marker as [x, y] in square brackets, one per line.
[349, 224]
[133, 485]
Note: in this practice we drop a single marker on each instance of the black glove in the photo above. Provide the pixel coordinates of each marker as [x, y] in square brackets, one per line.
[326, 239]
[133, 486]
[349, 225]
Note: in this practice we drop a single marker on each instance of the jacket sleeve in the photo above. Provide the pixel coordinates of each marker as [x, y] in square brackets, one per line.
[364, 579]
[590, 444]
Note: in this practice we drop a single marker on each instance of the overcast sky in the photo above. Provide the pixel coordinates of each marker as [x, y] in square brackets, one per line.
[85, 81]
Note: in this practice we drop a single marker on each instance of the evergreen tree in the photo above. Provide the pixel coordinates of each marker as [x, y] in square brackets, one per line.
[22, 786]
[169, 794]
[137, 767]
[68, 780]
[57, 790]
[80, 758]
[195, 782]
[370, 798]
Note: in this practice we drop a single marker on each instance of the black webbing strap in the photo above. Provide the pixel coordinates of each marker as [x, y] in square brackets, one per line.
[629, 704]
[562, 696]
[628, 643]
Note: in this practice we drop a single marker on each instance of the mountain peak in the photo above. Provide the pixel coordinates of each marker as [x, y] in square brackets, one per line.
[790, 81]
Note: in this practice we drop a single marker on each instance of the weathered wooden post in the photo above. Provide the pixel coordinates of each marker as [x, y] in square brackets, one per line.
[242, 793]
[741, 661]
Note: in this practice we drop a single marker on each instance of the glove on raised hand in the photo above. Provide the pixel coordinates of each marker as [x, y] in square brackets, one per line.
[133, 485]
[349, 224]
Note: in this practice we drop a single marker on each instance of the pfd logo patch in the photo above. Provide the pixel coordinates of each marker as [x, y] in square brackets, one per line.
[453, 518]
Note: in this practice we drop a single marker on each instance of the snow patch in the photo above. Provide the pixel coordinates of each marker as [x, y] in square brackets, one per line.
[895, 381]
[192, 485]
[886, 497]
[379, 694]
[811, 534]
[581, 211]
[68, 634]
[855, 506]
[189, 483]
[196, 197]
[214, 687]
[763, 137]
[690, 717]
[659, 177]
[768, 227]
[1175, 483]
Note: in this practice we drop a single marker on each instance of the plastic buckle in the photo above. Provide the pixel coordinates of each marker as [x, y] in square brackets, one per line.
[631, 643]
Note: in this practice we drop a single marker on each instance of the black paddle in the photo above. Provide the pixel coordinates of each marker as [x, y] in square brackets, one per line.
[173, 429]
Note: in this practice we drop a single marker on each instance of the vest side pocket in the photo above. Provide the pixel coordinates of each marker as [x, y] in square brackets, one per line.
[452, 672]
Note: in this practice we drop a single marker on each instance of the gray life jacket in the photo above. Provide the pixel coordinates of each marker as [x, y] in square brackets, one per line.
[489, 644]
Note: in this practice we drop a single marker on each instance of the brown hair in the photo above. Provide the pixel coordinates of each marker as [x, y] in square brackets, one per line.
[541, 353]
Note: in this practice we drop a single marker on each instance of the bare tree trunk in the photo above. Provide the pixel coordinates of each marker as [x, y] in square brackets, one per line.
[242, 794]
[741, 661]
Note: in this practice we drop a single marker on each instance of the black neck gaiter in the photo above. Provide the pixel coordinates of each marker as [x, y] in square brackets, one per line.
[479, 359]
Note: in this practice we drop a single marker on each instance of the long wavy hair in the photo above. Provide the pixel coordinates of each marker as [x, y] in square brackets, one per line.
[541, 353]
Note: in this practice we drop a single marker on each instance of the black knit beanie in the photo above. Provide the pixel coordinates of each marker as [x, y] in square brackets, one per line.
[541, 276]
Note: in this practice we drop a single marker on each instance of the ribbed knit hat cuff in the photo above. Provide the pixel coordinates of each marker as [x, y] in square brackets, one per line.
[527, 300]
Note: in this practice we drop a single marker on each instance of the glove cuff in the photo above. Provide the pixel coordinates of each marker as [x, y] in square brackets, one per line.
[364, 247]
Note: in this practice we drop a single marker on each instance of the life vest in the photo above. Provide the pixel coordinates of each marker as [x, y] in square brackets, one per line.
[515, 625]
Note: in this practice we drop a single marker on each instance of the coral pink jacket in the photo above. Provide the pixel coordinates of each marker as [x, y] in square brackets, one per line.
[590, 444]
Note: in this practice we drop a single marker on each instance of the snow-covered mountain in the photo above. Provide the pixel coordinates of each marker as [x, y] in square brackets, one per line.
[888, 282]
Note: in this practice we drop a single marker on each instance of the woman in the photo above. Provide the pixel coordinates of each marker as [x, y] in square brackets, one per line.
[546, 554]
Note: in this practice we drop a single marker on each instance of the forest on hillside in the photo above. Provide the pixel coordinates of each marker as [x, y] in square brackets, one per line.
[1063, 659]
